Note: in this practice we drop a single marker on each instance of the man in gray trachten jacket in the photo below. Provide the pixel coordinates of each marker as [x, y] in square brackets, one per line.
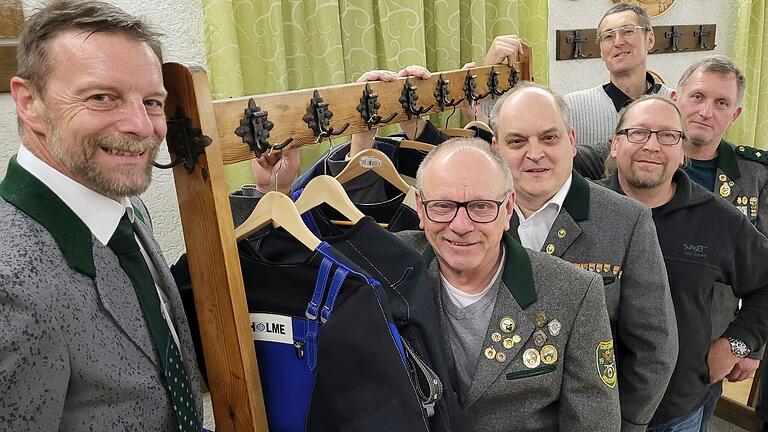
[528, 333]
[564, 215]
[93, 335]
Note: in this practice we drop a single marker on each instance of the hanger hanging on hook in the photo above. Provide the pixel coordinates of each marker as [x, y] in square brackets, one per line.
[278, 209]
[325, 189]
[376, 161]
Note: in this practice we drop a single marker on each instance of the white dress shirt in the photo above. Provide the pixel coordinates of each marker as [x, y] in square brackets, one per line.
[99, 213]
[534, 230]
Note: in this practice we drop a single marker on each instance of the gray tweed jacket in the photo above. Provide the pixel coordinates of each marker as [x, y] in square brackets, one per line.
[75, 352]
[614, 236]
[577, 391]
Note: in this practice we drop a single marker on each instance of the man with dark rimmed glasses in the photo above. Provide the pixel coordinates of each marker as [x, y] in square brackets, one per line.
[528, 334]
[706, 243]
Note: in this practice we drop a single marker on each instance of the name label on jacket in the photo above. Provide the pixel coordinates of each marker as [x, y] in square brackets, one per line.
[271, 328]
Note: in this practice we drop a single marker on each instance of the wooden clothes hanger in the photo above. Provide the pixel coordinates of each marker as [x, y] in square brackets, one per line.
[328, 190]
[376, 161]
[416, 145]
[277, 208]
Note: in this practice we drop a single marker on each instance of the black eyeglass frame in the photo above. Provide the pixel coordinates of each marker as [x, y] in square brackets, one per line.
[626, 132]
[464, 204]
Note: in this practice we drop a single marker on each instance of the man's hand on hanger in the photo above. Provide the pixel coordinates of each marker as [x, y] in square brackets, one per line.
[281, 167]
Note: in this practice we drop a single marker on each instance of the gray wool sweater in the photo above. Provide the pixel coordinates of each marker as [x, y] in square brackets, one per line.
[593, 115]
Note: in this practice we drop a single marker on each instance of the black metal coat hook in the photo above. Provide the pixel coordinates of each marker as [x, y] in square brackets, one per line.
[318, 117]
[469, 89]
[512, 79]
[441, 94]
[493, 84]
[674, 34]
[185, 142]
[408, 100]
[369, 108]
[702, 34]
[254, 130]
[578, 40]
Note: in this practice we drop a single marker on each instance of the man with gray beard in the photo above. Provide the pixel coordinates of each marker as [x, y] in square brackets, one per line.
[93, 334]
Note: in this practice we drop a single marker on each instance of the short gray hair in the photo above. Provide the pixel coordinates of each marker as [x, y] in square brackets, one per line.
[59, 16]
[645, 20]
[461, 145]
[718, 64]
[559, 101]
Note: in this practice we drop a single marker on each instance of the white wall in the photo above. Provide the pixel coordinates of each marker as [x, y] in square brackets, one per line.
[569, 75]
[181, 21]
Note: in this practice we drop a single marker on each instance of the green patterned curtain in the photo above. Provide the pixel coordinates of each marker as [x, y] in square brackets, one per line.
[265, 46]
[750, 52]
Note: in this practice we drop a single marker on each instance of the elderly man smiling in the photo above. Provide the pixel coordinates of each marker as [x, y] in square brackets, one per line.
[529, 334]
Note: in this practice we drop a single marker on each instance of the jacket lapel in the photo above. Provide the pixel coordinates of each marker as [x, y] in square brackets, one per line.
[118, 297]
[561, 236]
[488, 370]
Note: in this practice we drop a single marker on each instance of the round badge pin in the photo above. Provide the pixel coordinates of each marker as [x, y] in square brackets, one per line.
[531, 358]
[507, 324]
[490, 353]
[496, 336]
[508, 343]
[548, 354]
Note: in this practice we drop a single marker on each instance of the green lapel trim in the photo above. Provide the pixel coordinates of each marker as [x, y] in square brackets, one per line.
[726, 160]
[518, 274]
[33, 198]
[577, 201]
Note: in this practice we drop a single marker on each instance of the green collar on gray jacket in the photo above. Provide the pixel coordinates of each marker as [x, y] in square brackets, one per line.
[518, 274]
[577, 201]
[36, 200]
[726, 160]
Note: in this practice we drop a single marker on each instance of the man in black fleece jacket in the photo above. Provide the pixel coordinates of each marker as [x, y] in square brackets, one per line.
[707, 244]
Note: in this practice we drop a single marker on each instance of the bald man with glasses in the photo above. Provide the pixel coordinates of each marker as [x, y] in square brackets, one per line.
[529, 334]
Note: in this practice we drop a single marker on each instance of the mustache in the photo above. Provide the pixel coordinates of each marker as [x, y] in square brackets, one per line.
[124, 144]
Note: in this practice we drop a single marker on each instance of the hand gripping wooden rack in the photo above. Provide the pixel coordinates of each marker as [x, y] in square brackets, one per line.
[204, 127]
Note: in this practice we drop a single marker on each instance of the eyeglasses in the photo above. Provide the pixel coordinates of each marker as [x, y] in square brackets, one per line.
[479, 211]
[626, 32]
[668, 137]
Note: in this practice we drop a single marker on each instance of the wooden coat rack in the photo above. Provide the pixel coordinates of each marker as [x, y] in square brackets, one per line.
[199, 125]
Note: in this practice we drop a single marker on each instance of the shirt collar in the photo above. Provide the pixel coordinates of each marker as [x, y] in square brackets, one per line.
[557, 201]
[98, 212]
[620, 99]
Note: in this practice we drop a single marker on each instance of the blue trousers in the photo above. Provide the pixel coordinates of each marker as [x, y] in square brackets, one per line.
[687, 423]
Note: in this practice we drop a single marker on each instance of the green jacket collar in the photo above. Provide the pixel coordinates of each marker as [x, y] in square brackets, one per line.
[726, 160]
[577, 201]
[33, 198]
[518, 273]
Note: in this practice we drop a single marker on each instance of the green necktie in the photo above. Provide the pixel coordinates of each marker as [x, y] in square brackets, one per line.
[123, 244]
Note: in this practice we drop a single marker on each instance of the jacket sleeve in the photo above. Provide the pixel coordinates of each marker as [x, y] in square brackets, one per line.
[34, 366]
[748, 276]
[647, 328]
[590, 160]
[589, 397]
